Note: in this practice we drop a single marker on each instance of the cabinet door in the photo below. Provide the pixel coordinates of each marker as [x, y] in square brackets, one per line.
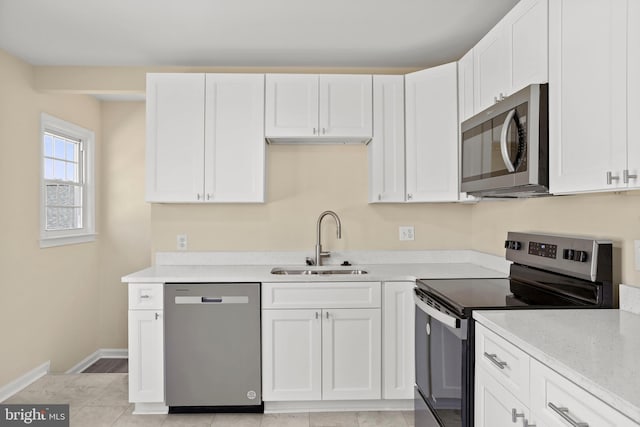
[432, 134]
[386, 148]
[492, 68]
[234, 138]
[175, 138]
[527, 39]
[633, 100]
[291, 355]
[398, 370]
[494, 405]
[555, 400]
[346, 106]
[465, 86]
[351, 354]
[146, 356]
[587, 99]
[291, 107]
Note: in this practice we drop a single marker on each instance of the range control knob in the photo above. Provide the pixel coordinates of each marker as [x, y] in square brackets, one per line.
[512, 244]
[568, 254]
[581, 256]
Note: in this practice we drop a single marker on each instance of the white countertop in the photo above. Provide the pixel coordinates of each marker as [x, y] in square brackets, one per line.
[262, 273]
[379, 265]
[597, 349]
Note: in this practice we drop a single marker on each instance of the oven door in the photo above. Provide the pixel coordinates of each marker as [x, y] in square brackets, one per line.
[443, 395]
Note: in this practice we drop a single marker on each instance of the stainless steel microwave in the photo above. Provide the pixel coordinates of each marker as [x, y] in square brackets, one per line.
[505, 148]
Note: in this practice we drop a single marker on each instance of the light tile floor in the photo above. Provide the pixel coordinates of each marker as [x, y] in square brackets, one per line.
[98, 400]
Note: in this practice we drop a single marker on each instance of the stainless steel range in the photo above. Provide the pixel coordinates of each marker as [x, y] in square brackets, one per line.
[547, 272]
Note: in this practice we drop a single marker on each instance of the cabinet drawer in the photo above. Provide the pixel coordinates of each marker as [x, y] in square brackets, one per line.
[146, 296]
[556, 401]
[507, 363]
[321, 295]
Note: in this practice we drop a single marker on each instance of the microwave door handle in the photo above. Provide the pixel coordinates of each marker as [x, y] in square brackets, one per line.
[503, 141]
[450, 321]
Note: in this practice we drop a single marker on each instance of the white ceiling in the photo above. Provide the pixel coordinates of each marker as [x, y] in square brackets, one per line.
[261, 33]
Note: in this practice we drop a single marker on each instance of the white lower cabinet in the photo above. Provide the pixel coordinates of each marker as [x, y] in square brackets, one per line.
[146, 345]
[513, 387]
[494, 405]
[398, 326]
[326, 353]
[556, 401]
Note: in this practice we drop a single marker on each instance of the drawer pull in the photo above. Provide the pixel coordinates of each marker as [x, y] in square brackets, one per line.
[145, 296]
[494, 359]
[525, 423]
[564, 413]
[515, 415]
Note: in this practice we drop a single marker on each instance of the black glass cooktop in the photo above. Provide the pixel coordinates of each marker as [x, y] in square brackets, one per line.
[464, 295]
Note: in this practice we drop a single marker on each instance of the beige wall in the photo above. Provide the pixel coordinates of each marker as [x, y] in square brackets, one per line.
[615, 216]
[303, 181]
[125, 217]
[47, 303]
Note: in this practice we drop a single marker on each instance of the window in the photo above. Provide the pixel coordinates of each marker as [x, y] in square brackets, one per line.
[67, 203]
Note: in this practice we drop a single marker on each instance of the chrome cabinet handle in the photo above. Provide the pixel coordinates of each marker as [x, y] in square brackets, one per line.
[515, 415]
[611, 178]
[626, 176]
[564, 413]
[145, 296]
[409, 196]
[324, 131]
[314, 131]
[525, 423]
[379, 196]
[198, 196]
[157, 316]
[494, 359]
[317, 315]
[208, 196]
[327, 314]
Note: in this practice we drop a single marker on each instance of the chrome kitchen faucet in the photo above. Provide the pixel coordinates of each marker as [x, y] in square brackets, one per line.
[319, 253]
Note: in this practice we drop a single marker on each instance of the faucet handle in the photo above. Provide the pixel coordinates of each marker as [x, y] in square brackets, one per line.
[325, 254]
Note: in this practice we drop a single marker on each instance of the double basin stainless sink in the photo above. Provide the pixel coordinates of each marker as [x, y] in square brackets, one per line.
[315, 271]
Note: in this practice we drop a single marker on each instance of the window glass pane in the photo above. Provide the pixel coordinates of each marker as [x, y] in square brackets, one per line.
[71, 172]
[71, 151]
[66, 218]
[48, 169]
[52, 219]
[59, 169]
[59, 148]
[48, 145]
[51, 195]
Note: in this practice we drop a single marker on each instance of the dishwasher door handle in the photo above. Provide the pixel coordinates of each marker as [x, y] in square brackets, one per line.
[211, 300]
[208, 300]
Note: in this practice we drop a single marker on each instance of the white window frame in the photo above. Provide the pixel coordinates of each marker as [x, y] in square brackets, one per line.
[87, 233]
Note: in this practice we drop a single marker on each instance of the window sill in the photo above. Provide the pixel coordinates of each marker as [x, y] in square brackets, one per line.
[49, 242]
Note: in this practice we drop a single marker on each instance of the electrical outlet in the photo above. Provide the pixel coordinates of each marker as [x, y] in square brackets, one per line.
[181, 242]
[636, 251]
[407, 232]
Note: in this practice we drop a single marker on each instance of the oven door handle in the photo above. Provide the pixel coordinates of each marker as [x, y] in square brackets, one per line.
[503, 141]
[441, 317]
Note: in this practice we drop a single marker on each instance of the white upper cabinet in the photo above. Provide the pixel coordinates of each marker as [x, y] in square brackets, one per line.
[432, 134]
[512, 55]
[465, 86]
[234, 138]
[386, 148]
[321, 108]
[633, 98]
[588, 94]
[175, 137]
[205, 138]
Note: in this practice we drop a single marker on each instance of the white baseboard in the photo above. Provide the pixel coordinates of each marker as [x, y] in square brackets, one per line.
[102, 353]
[20, 383]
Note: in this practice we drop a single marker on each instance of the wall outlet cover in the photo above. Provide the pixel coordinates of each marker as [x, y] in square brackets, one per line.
[181, 242]
[407, 232]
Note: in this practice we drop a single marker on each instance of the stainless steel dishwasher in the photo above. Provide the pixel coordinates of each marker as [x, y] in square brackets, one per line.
[212, 347]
